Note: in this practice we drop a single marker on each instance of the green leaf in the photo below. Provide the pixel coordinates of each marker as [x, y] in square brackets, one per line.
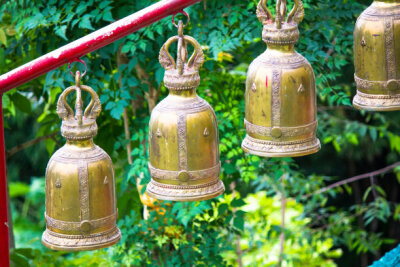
[21, 102]
[6, 101]
[107, 16]
[60, 31]
[50, 145]
[117, 111]
[159, 75]
[110, 105]
[85, 22]
[142, 45]
[104, 4]
[18, 189]
[373, 133]
[222, 208]
[238, 202]
[19, 260]
[238, 222]
[81, 9]
[132, 81]
[126, 47]
[3, 37]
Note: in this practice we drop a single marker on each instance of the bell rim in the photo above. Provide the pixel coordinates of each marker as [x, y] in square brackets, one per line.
[295, 153]
[376, 108]
[108, 243]
[183, 198]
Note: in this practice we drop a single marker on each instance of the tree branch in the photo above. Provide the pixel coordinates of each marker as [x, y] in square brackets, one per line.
[355, 178]
[239, 251]
[127, 136]
[121, 60]
[324, 108]
[152, 95]
[331, 50]
[30, 143]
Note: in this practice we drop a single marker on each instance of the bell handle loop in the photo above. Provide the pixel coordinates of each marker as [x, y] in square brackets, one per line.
[265, 16]
[196, 60]
[263, 13]
[63, 108]
[77, 60]
[184, 13]
[283, 9]
[93, 110]
[165, 57]
[293, 11]
[297, 13]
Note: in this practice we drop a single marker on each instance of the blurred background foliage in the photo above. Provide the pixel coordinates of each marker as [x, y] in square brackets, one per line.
[351, 224]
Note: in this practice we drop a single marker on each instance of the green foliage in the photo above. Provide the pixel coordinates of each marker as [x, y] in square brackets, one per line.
[263, 229]
[126, 74]
[187, 234]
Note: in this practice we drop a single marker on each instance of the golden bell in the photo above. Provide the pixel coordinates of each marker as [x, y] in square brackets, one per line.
[81, 211]
[377, 57]
[183, 132]
[280, 100]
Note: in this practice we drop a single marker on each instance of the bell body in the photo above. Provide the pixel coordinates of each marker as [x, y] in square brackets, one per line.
[280, 100]
[377, 57]
[183, 149]
[81, 210]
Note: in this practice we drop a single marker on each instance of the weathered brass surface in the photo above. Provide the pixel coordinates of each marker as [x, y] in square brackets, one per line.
[377, 57]
[280, 113]
[183, 132]
[81, 211]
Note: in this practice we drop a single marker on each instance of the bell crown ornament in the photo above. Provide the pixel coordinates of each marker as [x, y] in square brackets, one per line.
[280, 98]
[283, 29]
[182, 74]
[377, 57]
[183, 132]
[78, 125]
[81, 211]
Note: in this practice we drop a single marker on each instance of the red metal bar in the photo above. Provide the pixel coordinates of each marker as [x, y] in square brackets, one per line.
[4, 245]
[91, 42]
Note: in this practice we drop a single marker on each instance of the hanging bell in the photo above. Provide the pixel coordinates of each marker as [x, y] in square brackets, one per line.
[280, 100]
[81, 211]
[183, 132]
[377, 57]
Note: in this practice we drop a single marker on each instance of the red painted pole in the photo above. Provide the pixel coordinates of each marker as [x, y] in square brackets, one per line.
[4, 245]
[91, 42]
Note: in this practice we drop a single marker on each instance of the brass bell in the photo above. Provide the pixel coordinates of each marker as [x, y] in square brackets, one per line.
[377, 57]
[183, 132]
[81, 211]
[280, 100]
